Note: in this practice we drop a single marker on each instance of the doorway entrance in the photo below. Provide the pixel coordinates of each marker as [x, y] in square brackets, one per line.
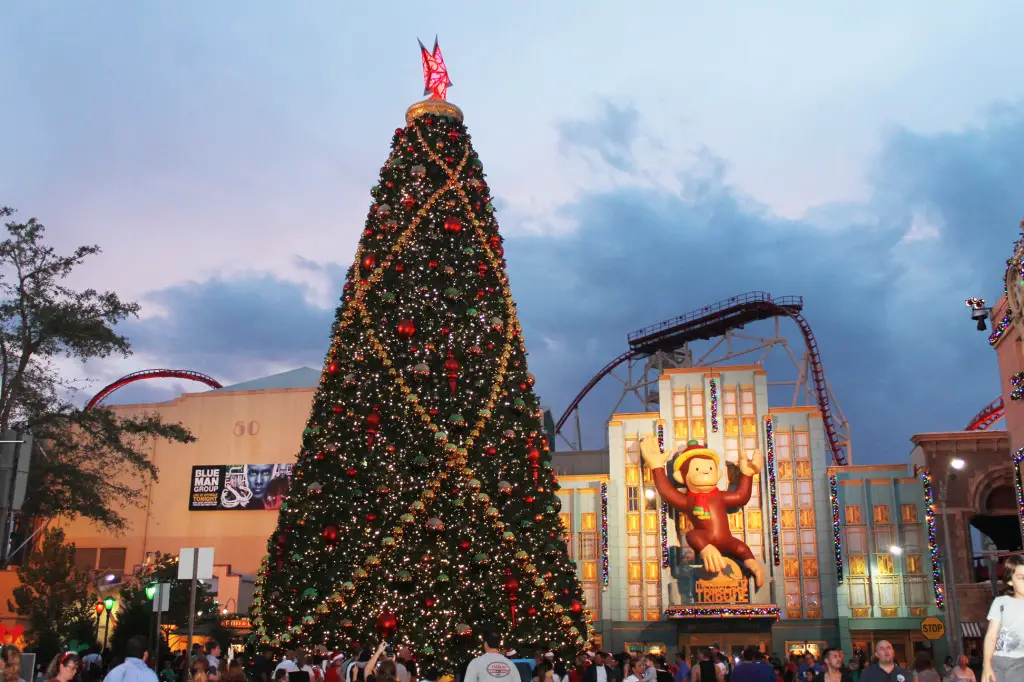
[905, 643]
[730, 644]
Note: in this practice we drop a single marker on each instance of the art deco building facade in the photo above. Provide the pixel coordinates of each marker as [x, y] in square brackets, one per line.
[822, 533]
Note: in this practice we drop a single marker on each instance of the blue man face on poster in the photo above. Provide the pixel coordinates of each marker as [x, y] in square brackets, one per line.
[258, 477]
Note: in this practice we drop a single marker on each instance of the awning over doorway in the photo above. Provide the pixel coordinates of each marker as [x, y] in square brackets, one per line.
[972, 630]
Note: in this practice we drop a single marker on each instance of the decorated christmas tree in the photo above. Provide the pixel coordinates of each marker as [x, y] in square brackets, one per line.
[423, 506]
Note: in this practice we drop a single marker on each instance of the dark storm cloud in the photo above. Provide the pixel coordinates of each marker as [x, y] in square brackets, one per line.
[883, 281]
[885, 301]
[225, 327]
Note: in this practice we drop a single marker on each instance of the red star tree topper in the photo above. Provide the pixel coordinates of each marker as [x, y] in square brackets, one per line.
[435, 74]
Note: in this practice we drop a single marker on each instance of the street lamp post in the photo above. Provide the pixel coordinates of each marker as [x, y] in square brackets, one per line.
[952, 620]
[108, 606]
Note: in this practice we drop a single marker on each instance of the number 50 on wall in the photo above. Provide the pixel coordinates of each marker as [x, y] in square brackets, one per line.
[246, 428]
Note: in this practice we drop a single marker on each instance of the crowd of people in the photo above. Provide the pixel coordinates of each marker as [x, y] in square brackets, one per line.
[1002, 660]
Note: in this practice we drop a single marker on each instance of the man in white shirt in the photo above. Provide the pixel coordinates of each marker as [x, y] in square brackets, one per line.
[287, 663]
[134, 668]
[492, 666]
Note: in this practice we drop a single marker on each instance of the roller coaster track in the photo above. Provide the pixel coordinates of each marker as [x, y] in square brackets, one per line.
[152, 374]
[988, 416]
[716, 320]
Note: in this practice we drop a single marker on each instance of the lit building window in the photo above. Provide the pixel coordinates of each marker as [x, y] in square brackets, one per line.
[853, 514]
[880, 512]
[908, 513]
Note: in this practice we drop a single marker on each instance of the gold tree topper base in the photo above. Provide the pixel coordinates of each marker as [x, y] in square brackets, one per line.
[437, 107]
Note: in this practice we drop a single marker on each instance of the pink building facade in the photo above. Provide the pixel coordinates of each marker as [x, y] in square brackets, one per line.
[1007, 341]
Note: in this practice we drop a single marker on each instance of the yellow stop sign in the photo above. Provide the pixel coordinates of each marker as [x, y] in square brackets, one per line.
[933, 628]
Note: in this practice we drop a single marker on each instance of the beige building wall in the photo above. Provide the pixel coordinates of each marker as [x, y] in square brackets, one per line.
[231, 427]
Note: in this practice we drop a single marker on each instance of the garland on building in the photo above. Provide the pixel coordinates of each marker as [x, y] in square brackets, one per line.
[723, 612]
[713, 387]
[933, 542]
[999, 330]
[837, 540]
[1018, 484]
[1017, 381]
[604, 535]
[772, 490]
[664, 535]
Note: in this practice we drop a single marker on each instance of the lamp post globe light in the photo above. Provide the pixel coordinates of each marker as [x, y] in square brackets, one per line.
[956, 465]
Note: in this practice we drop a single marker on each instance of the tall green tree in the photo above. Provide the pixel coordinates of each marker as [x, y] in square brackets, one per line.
[55, 597]
[43, 318]
[424, 506]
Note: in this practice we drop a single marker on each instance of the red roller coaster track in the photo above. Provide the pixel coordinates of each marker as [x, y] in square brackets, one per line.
[716, 320]
[988, 416]
[152, 374]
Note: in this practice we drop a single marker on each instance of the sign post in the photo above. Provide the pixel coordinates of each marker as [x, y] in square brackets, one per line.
[933, 628]
[161, 604]
[195, 564]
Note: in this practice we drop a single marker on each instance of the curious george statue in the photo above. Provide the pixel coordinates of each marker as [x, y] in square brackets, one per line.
[697, 469]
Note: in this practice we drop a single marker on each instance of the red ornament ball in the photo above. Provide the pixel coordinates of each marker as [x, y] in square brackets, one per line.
[464, 545]
[531, 611]
[329, 533]
[451, 365]
[369, 261]
[336, 409]
[373, 420]
[511, 584]
[351, 471]
[533, 456]
[491, 451]
[387, 624]
[332, 368]
[452, 224]
[429, 602]
[576, 607]
[406, 329]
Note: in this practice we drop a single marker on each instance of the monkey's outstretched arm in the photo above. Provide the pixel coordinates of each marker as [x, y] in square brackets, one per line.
[672, 496]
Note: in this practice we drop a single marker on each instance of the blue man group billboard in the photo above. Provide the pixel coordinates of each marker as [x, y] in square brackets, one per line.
[225, 487]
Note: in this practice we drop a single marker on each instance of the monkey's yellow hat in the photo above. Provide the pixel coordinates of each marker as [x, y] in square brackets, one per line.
[693, 449]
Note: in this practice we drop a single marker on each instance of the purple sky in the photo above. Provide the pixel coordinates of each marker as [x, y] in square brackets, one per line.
[647, 163]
